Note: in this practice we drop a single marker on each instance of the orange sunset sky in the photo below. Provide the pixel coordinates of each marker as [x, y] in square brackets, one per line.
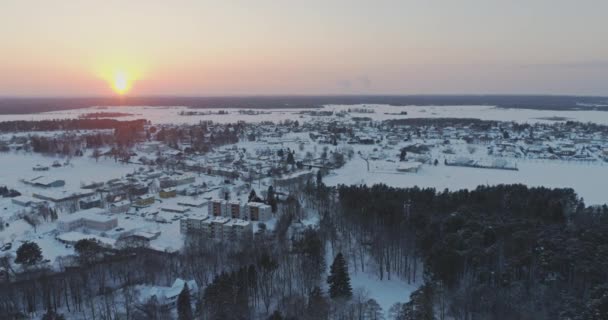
[206, 47]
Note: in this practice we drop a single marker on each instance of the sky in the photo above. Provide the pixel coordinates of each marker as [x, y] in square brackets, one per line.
[238, 47]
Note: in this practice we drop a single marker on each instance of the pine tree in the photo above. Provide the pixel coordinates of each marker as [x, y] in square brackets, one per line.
[184, 307]
[252, 196]
[339, 280]
[271, 199]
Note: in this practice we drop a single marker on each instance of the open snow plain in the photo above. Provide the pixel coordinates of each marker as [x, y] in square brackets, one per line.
[161, 115]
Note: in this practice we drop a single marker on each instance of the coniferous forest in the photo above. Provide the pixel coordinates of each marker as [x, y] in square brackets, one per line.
[503, 252]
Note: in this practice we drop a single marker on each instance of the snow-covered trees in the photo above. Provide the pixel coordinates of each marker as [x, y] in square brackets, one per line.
[339, 279]
[87, 250]
[28, 254]
[318, 306]
[184, 305]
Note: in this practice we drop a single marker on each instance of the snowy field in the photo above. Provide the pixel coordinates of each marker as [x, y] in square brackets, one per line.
[17, 166]
[590, 181]
[159, 115]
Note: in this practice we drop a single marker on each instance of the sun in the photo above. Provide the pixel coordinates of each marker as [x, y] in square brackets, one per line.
[121, 82]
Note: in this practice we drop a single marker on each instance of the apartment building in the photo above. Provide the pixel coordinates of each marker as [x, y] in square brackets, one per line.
[256, 211]
[217, 208]
[217, 228]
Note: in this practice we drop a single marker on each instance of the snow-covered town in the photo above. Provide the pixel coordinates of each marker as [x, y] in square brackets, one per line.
[303, 160]
[84, 196]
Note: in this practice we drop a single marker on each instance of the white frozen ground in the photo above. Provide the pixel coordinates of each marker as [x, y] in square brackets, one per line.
[17, 166]
[160, 115]
[590, 181]
[385, 292]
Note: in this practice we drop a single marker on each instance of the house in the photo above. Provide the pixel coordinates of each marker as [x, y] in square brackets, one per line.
[144, 200]
[175, 209]
[90, 202]
[119, 206]
[167, 193]
[26, 201]
[191, 203]
[138, 189]
[64, 200]
[45, 182]
[94, 219]
[183, 179]
[166, 182]
[166, 296]
[412, 166]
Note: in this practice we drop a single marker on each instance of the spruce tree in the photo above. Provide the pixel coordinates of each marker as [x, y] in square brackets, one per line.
[184, 307]
[252, 196]
[271, 200]
[339, 280]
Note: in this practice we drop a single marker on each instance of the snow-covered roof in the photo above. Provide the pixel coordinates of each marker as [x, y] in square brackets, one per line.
[75, 236]
[166, 295]
[94, 214]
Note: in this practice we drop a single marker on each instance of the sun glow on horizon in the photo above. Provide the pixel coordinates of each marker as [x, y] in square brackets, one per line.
[120, 74]
[121, 82]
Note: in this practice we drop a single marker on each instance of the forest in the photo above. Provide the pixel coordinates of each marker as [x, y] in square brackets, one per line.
[68, 124]
[495, 252]
[500, 252]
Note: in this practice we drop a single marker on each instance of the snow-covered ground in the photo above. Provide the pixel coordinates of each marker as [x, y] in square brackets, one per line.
[386, 292]
[17, 166]
[159, 115]
[590, 181]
